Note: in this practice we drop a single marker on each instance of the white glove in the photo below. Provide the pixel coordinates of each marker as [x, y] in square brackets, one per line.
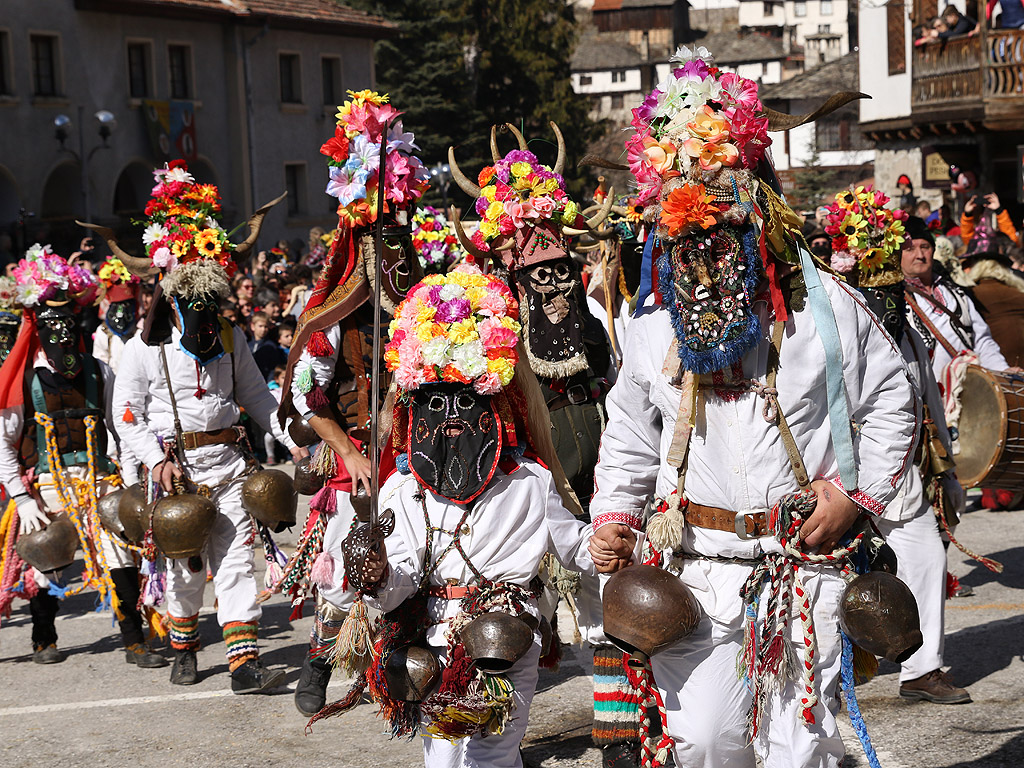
[30, 517]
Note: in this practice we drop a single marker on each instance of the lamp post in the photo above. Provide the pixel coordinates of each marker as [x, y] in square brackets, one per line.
[442, 176]
[106, 125]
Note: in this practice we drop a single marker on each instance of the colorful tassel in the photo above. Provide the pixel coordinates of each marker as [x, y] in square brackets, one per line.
[305, 381]
[129, 417]
[322, 573]
[318, 345]
[325, 500]
[353, 648]
[324, 462]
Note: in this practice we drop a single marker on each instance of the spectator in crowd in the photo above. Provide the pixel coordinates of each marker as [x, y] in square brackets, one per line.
[285, 333]
[229, 312]
[266, 351]
[957, 24]
[303, 277]
[243, 287]
[270, 445]
[906, 200]
[1011, 13]
[923, 209]
[974, 209]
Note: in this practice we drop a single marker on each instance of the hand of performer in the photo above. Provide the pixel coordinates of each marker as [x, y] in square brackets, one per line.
[165, 473]
[30, 517]
[358, 467]
[611, 547]
[833, 515]
[1014, 369]
[374, 566]
[298, 453]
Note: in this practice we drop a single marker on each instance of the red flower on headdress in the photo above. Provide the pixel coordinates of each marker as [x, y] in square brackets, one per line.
[336, 147]
[687, 206]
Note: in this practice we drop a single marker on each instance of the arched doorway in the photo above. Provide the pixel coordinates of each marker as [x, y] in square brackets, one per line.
[62, 193]
[132, 190]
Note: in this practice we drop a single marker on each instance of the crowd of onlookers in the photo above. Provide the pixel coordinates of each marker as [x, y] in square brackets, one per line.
[999, 14]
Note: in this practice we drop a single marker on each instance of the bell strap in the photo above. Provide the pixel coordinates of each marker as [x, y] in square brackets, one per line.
[958, 324]
[772, 398]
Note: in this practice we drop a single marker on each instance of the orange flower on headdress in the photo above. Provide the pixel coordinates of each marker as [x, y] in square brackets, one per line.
[688, 206]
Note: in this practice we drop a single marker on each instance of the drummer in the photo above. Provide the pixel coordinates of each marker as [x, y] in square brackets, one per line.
[942, 311]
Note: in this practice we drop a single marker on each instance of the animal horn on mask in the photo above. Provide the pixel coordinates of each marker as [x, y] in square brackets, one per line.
[464, 183]
[465, 239]
[780, 121]
[139, 267]
[255, 224]
[595, 221]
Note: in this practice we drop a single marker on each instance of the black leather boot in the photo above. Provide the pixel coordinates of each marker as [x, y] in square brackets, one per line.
[311, 690]
[185, 670]
[253, 677]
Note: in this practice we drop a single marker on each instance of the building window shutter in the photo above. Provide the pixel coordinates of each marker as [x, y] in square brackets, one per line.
[896, 21]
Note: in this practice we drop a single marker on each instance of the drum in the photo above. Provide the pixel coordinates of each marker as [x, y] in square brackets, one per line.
[991, 430]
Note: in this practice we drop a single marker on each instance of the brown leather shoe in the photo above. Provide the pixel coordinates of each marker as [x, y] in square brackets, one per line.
[935, 687]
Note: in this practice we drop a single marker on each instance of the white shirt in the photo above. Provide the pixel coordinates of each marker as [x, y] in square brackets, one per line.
[516, 520]
[142, 388]
[12, 424]
[323, 371]
[737, 460]
[984, 345]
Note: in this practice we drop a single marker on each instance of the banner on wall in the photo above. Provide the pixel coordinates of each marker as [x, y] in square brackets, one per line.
[172, 129]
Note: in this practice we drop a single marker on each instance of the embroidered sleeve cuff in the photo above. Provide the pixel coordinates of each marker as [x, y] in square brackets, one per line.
[633, 519]
[860, 498]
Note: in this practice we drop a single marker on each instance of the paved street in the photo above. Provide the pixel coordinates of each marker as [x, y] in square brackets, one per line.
[94, 710]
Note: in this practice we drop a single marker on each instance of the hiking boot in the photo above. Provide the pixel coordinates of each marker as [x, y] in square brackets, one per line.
[253, 677]
[311, 690]
[47, 655]
[935, 687]
[624, 755]
[141, 655]
[185, 670]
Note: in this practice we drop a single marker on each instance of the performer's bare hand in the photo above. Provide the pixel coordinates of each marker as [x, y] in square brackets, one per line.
[374, 566]
[358, 467]
[165, 473]
[30, 517]
[611, 547]
[1014, 369]
[992, 201]
[299, 453]
[832, 517]
[971, 206]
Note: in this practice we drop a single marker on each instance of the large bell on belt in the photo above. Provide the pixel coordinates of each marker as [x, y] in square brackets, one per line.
[647, 610]
[52, 548]
[307, 482]
[301, 433]
[133, 512]
[879, 613]
[106, 510]
[496, 640]
[411, 673]
[269, 496]
[182, 523]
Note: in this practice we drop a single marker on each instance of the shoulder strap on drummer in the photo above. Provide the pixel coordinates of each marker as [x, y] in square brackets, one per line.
[915, 307]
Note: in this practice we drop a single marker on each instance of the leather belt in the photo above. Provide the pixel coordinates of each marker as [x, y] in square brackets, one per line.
[229, 436]
[746, 526]
[452, 591]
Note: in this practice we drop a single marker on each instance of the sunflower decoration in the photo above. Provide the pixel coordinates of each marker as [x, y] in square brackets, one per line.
[866, 237]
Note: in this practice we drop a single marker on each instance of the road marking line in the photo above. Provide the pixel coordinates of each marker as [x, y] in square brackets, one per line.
[1016, 607]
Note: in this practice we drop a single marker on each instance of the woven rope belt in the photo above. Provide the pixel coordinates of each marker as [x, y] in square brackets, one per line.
[746, 526]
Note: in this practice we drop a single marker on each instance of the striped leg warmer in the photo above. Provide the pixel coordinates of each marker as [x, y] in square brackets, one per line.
[240, 639]
[327, 623]
[616, 702]
[184, 632]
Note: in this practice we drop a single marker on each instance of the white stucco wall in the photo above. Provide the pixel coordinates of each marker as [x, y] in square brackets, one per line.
[751, 14]
[890, 94]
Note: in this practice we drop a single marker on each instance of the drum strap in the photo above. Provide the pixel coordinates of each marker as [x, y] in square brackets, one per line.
[912, 302]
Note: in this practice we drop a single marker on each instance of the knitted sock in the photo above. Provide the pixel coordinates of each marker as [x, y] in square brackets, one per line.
[240, 639]
[184, 632]
[327, 621]
[616, 702]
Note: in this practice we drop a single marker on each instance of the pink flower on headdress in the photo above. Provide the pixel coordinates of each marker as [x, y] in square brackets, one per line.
[489, 384]
[544, 206]
[843, 261]
[741, 91]
[163, 258]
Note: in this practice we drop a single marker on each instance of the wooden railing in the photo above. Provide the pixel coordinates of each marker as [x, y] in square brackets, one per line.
[985, 68]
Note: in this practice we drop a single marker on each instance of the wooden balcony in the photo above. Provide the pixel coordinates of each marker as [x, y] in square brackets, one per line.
[977, 80]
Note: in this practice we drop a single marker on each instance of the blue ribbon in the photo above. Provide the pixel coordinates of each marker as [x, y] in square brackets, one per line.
[852, 706]
[835, 385]
[646, 274]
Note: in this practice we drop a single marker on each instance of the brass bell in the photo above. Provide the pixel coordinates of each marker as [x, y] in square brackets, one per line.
[301, 433]
[52, 548]
[496, 641]
[269, 496]
[182, 524]
[307, 482]
[879, 613]
[647, 610]
[106, 510]
[411, 673]
[133, 512]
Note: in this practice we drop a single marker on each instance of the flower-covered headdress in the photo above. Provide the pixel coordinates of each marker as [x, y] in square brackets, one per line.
[43, 277]
[434, 240]
[866, 237]
[118, 282]
[456, 328]
[10, 307]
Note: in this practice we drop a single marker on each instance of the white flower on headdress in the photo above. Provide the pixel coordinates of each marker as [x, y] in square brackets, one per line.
[684, 54]
[179, 174]
[436, 351]
[471, 359]
[35, 252]
[685, 95]
[212, 223]
[28, 294]
[153, 233]
[452, 291]
[398, 138]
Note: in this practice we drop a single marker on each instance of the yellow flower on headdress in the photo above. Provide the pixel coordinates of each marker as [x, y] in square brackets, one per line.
[208, 242]
[462, 332]
[521, 169]
[503, 367]
[853, 228]
[873, 258]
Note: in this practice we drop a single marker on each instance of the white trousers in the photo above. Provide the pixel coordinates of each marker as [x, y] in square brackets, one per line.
[922, 566]
[227, 554]
[338, 527]
[114, 552]
[491, 751]
[707, 703]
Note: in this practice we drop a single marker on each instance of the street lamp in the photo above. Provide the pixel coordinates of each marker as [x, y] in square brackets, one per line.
[442, 175]
[106, 125]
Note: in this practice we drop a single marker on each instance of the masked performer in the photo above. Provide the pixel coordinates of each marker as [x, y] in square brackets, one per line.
[474, 516]
[177, 399]
[53, 452]
[120, 318]
[742, 378]
[331, 362]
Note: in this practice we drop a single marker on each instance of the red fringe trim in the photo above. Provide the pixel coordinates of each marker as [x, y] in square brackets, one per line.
[325, 501]
[318, 345]
[316, 399]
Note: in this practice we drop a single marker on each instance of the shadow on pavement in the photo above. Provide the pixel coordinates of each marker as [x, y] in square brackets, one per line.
[556, 745]
[1009, 754]
[1013, 568]
[979, 651]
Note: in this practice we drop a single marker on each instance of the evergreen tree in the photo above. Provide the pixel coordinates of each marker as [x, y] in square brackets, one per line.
[813, 185]
[457, 67]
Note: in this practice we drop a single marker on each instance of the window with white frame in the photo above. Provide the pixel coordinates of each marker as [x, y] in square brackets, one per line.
[800, 8]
